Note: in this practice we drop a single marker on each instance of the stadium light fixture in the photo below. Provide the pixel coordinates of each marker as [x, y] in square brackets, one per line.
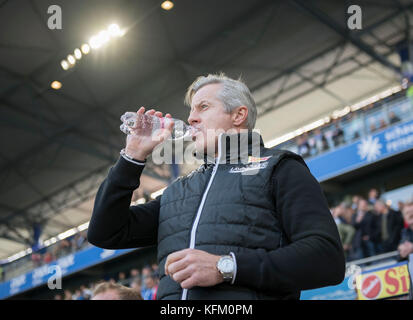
[71, 59]
[56, 85]
[65, 65]
[94, 42]
[115, 31]
[85, 48]
[78, 54]
[167, 5]
[103, 37]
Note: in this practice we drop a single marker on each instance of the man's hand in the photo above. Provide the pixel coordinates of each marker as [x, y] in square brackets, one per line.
[405, 249]
[360, 216]
[139, 145]
[192, 267]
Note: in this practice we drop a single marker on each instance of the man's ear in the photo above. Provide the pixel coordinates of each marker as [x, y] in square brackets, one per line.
[239, 116]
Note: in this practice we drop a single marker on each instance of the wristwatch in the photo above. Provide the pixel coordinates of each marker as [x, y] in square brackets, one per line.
[226, 266]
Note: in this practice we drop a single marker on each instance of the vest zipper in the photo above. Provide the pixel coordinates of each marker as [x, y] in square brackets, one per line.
[201, 206]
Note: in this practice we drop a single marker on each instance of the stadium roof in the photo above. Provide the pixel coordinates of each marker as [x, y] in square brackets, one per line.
[298, 57]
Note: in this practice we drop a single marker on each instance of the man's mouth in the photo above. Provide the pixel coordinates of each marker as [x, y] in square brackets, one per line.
[195, 134]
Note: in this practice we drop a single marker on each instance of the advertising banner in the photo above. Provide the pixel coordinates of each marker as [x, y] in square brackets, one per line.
[391, 141]
[66, 265]
[385, 282]
[342, 291]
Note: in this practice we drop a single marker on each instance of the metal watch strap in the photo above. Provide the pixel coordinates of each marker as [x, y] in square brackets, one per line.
[226, 276]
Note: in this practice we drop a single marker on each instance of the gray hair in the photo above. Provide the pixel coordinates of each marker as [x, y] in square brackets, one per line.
[233, 94]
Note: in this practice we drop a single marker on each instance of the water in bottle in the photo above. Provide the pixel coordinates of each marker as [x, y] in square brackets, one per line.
[146, 125]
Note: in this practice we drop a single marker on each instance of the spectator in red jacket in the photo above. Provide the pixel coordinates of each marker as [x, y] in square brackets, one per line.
[48, 257]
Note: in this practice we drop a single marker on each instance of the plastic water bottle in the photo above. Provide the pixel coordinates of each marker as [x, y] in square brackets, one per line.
[146, 125]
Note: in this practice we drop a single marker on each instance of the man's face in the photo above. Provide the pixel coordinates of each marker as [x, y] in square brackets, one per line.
[380, 207]
[146, 271]
[408, 215]
[373, 194]
[209, 116]
[363, 205]
[149, 283]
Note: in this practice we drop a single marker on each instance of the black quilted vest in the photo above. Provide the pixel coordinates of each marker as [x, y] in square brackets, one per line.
[219, 208]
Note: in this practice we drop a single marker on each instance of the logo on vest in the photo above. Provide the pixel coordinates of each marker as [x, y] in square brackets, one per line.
[252, 159]
[249, 168]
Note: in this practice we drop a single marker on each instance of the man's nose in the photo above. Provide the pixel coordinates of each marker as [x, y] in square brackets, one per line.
[193, 118]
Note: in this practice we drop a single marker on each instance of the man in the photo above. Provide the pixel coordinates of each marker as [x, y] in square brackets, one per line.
[114, 291]
[355, 202]
[345, 230]
[365, 223]
[393, 118]
[373, 196]
[151, 287]
[136, 284]
[389, 226]
[222, 232]
[406, 243]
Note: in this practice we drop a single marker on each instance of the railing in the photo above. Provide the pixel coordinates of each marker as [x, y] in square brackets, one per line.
[367, 263]
[25, 264]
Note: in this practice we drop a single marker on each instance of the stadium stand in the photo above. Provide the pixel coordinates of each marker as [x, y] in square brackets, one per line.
[341, 99]
[358, 216]
[354, 125]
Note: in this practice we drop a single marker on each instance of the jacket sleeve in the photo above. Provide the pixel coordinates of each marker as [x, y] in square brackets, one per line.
[314, 254]
[114, 223]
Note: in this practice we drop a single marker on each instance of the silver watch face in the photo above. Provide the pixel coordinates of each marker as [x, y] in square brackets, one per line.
[226, 265]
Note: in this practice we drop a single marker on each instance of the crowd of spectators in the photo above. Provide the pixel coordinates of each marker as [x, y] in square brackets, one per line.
[369, 226]
[344, 130]
[60, 249]
[142, 281]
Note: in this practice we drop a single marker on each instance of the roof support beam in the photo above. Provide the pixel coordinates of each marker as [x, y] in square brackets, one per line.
[272, 107]
[314, 11]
